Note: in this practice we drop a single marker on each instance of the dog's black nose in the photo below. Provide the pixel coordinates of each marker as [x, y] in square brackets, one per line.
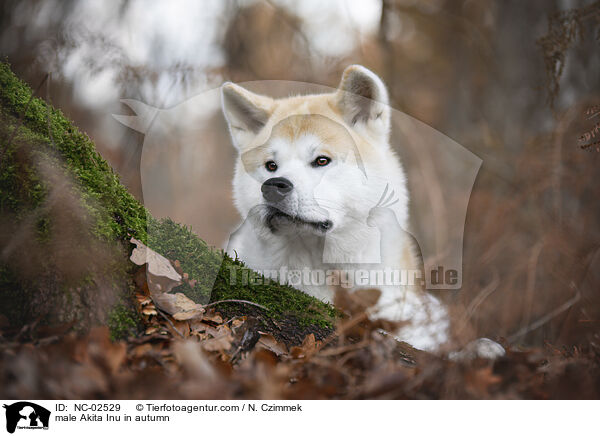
[276, 189]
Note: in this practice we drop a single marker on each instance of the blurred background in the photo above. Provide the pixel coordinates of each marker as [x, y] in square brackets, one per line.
[516, 83]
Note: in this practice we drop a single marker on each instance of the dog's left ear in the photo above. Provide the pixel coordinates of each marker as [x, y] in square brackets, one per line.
[363, 100]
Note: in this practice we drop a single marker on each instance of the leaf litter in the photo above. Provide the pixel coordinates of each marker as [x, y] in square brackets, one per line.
[190, 351]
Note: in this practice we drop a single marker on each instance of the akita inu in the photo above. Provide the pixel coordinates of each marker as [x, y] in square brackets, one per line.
[321, 190]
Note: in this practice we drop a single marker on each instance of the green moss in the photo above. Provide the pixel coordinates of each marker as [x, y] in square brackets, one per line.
[46, 135]
[236, 281]
[123, 322]
[116, 211]
[221, 278]
[178, 242]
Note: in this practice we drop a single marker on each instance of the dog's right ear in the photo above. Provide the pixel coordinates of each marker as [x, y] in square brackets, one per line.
[363, 101]
[246, 113]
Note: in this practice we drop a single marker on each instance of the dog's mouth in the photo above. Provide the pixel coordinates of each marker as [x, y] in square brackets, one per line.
[274, 215]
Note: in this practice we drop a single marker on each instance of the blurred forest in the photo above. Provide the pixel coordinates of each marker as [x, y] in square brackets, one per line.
[516, 83]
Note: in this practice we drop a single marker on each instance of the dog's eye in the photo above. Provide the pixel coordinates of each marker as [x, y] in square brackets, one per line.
[321, 161]
[271, 166]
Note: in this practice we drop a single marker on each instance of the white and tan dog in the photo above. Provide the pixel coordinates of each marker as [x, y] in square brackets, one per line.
[321, 190]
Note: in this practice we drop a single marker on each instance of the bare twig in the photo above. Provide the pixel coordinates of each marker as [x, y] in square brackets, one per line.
[160, 312]
[235, 301]
[546, 318]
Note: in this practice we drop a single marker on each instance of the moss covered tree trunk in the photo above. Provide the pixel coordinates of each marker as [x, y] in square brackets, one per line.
[65, 220]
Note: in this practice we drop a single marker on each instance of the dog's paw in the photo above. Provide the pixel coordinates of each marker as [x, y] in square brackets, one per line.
[482, 348]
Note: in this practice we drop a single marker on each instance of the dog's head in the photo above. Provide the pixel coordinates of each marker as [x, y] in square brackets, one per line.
[304, 161]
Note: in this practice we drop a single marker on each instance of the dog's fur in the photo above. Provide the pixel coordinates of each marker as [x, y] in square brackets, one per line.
[334, 218]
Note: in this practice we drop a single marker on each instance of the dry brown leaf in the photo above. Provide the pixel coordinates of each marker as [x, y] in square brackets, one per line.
[481, 379]
[151, 330]
[237, 322]
[197, 326]
[308, 347]
[162, 277]
[221, 339]
[356, 302]
[297, 352]
[191, 357]
[182, 327]
[309, 342]
[141, 350]
[107, 354]
[270, 343]
[178, 305]
[220, 343]
[213, 317]
[115, 356]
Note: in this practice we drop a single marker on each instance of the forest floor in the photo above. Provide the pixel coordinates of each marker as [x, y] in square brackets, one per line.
[212, 356]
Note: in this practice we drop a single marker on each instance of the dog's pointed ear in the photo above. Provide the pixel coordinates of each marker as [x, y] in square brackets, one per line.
[246, 113]
[363, 100]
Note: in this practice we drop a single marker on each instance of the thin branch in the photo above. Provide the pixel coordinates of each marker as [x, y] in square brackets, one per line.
[235, 301]
[160, 312]
[546, 318]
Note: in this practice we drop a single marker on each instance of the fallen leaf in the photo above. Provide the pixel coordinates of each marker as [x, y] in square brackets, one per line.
[356, 302]
[270, 343]
[141, 350]
[191, 357]
[213, 317]
[481, 379]
[309, 342]
[237, 322]
[197, 326]
[178, 305]
[162, 277]
[152, 330]
[221, 343]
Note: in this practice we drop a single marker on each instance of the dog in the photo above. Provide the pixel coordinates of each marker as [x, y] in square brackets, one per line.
[324, 195]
